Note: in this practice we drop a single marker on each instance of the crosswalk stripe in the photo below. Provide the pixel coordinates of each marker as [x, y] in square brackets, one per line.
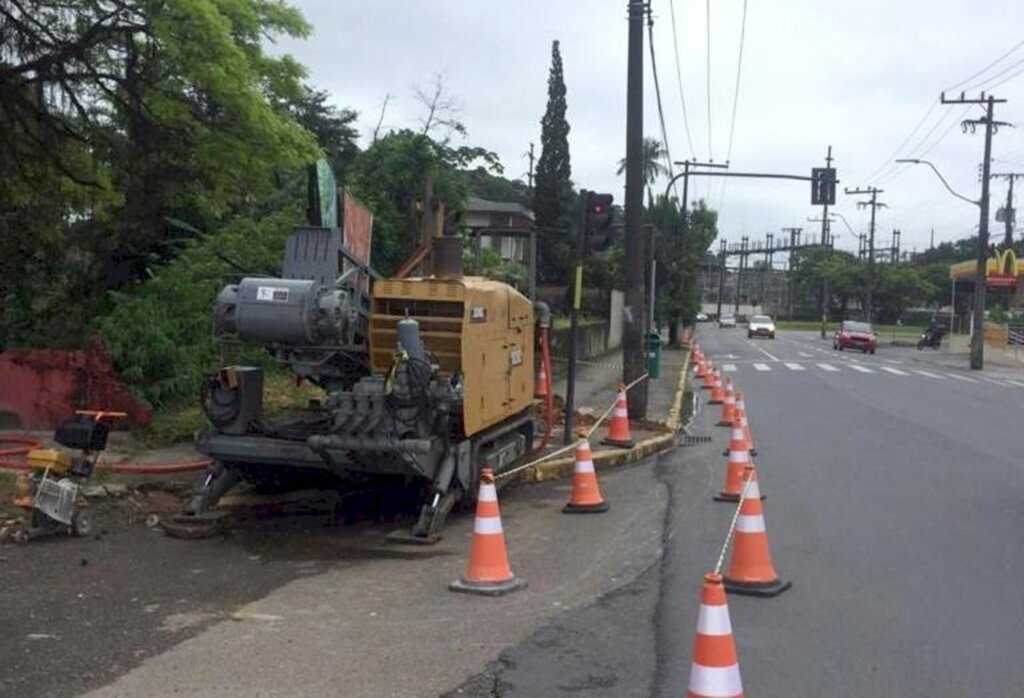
[961, 378]
[827, 367]
[894, 371]
[805, 354]
[862, 369]
[794, 367]
[930, 375]
[762, 367]
[728, 368]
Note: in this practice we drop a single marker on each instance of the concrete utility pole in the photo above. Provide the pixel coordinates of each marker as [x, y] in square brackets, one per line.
[721, 275]
[875, 204]
[739, 276]
[825, 243]
[980, 276]
[1009, 215]
[633, 341]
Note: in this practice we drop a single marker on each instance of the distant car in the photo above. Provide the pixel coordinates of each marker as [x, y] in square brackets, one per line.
[855, 335]
[727, 321]
[702, 317]
[761, 326]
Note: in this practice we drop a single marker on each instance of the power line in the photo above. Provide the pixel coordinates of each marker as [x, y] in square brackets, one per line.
[916, 152]
[888, 161]
[1007, 79]
[984, 70]
[735, 101]
[657, 93]
[679, 78]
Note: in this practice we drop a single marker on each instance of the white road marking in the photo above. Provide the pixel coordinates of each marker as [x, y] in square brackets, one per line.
[773, 358]
[1016, 383]
[862, 369]
[892, 361]
[728, 368]
[961, 378]
[827, 367]
[805, 354]
[930, 375]
[794, 367]
[762, 367]
[993, 381]
[894, 371]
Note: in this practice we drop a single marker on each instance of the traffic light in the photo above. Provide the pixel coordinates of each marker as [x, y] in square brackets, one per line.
[601, 218]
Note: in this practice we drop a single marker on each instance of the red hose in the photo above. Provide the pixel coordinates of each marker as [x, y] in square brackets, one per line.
[549, 401]
[27, 443]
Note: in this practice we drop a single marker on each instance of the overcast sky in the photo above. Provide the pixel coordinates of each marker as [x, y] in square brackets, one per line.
[859, 75]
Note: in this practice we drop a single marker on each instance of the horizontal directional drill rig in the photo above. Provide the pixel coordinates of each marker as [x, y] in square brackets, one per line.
[426, 380]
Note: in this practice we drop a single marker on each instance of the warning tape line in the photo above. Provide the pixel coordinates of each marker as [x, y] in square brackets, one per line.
[732, 528]
[573, 445]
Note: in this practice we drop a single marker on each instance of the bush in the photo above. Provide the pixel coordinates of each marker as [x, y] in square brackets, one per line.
[160, 334]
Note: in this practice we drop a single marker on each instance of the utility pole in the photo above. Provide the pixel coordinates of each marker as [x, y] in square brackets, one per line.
[1009, 215]
[721, 275]
[739, 276]
[794, 240]
[980, 276]
[529, 174]
[633, 341]
[826, 244]
[875, 204]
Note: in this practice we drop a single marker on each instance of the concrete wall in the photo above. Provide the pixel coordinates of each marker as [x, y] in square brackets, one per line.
[593, 341]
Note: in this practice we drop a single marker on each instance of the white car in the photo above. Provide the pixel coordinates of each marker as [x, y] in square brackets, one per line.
[727, 321]
[702, 317]
[761, 326]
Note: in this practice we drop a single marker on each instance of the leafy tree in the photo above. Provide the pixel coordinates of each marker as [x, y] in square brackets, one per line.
[389, 178]
[652, 155]
[488, 186]
[333, 128]
[144, 123]
[553, 193]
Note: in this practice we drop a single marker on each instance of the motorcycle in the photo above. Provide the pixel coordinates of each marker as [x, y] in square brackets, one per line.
[931, 338]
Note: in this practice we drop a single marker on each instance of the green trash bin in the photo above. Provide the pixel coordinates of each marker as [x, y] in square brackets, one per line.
[654, 355]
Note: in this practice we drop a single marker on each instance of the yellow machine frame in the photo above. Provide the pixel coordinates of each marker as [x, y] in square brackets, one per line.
[475, 327]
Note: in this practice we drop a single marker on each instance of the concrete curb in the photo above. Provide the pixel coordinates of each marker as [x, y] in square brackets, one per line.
[563, 467]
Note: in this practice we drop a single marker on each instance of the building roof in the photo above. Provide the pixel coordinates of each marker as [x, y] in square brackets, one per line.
[478, 205]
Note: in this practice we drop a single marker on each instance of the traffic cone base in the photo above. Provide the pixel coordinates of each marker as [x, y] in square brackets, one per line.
[585, 497]
[765, 590]
[487, 571]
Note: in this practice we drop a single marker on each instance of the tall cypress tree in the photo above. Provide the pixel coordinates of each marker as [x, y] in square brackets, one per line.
[553, 193]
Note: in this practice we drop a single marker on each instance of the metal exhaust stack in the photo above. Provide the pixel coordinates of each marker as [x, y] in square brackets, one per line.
[448, 257]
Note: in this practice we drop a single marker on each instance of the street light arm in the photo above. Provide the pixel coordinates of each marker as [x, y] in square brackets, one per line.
[915, 161]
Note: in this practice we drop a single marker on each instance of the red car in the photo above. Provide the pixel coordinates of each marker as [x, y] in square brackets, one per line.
[855, 335]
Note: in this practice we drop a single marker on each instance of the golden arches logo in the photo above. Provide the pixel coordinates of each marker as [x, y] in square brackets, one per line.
[1006, 262]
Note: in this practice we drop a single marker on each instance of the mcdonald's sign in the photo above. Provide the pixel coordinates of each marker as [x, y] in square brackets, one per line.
[1003, 271]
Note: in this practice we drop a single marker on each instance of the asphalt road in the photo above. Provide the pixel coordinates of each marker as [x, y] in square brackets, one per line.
[895, 504]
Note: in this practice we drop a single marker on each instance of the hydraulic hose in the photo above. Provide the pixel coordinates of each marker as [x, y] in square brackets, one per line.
[27, 443]
[549, 400]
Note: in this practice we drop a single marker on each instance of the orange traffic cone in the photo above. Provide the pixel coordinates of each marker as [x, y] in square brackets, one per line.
[739, 459]
[728, 406]
[709, 376]
[750, 571]
[715, 671]
[618, 429]
[586, 496]
[543, 384]
[741, 418]
[702, 368]
[717, 393]
[488, 571]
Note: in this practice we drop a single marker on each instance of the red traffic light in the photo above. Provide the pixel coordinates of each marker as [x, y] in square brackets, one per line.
[601, 203]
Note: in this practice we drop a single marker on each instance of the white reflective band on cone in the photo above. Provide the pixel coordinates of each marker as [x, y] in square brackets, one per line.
[739, 456]
[752, 490]
[487, 493]
[750, 524]
[716, 682]
[584, 466]
[714, 620]
[620, 412]
[487, 524]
